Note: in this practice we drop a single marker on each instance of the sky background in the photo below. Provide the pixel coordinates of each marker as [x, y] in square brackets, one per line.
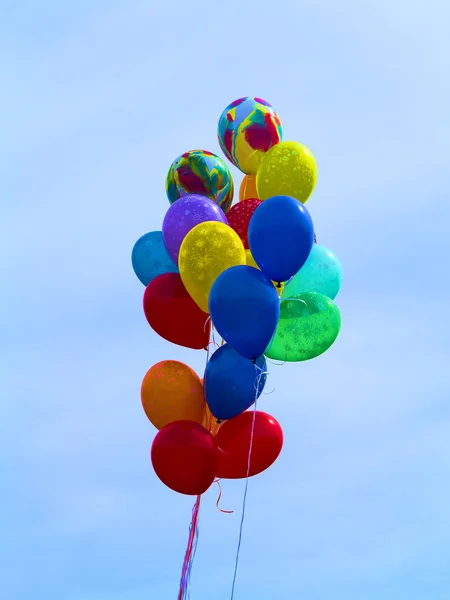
[98, 98]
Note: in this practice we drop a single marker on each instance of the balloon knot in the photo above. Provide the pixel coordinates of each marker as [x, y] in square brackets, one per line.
[218, 421]
[279, 284]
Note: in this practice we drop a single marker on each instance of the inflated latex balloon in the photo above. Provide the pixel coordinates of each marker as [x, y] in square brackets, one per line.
[184, 215]
[247, 188]
[232, 383]
[244, 308]
[280, 236]
[185, 458]
[171, 391]
[233, 440]
[290, 169]
[309, 324]
[251, 262]
[208, 249]
[172, 313]
[239, 217]
[321, 273]
[200, 172]
[150, 258]
[247, 129]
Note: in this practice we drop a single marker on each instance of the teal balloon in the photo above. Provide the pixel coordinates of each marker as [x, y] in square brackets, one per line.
[309, 324]
[321, 273]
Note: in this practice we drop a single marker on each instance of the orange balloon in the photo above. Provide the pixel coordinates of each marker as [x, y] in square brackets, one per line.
[172, 391]
[248, 188]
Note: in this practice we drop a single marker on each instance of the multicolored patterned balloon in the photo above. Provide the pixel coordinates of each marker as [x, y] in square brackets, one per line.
[200, 172]
[247, 129]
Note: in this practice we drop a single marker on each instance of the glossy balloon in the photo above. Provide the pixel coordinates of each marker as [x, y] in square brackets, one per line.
[200, 172]
[185, 458]
[290, 169]
[247, 189]
[321, 273]
[233, 440]
[251, 262]
[171, 391]
[244, 308]
[309, 324]
[150, 258]
[172, 313]
[184, 215]
[208, 250]
[239, 217]
[232, 383]
[247, 129]
[280, 236]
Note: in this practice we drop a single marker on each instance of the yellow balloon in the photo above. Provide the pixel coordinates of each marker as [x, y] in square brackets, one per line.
[208, 249]
[288, 169]
[251, 262]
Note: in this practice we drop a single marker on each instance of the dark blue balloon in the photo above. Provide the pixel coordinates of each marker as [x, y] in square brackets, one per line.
[244, 308]
[232, 383]
[150, 258]
[280, 236]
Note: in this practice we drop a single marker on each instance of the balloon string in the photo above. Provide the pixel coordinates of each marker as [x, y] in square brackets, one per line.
[190, 551]
[228, 512]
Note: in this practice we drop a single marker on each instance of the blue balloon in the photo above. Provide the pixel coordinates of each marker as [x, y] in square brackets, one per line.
[232, 383]
[244, 308]
[280, 236]
[150, 258]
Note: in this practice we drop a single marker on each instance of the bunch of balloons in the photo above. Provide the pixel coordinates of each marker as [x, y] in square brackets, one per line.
[250, 271]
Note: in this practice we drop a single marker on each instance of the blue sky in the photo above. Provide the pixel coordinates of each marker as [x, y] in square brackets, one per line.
[99, 98]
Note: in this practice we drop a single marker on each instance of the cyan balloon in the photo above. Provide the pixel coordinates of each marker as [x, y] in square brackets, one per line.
[150, 258]
[244, 308]
[232, 383]
[281, 235]
[321, 273]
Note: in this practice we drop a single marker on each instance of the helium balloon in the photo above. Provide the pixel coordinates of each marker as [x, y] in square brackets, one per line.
[250, 261]
[208, 249]
[232, 383]
[200, 172]
[239, 217]
[233, 440]
[280, 236]
[172, 313]
[184, 215]
[309, 324]
[287, 169]
[210, 422]
[244, 308]
[247, 129]
[171, 391]
[321, 273]
[184, 457]
[247, 188]
[150, 258]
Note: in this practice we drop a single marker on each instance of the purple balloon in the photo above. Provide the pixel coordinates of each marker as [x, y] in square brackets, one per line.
[183, 215]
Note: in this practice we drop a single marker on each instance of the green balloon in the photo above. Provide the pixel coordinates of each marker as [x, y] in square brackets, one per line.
[309, 324]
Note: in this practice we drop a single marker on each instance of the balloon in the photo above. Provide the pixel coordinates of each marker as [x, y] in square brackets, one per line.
[233, 440]
[171, 391]
[232, 383]
[321, 273]
[207, 250]
[200, 172]
[172, 313]
[247, 188]
[309, 324]
[244, 308]
[150, 258]
[247, 128]
[184, 457]
[239, 217]
[184, 215]
[281, 235]
[251, 262]
[287, 169]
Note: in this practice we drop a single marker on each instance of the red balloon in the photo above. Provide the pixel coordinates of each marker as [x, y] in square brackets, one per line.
[233, 440]
[239, 217]
[184, 456]
[173, 314]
